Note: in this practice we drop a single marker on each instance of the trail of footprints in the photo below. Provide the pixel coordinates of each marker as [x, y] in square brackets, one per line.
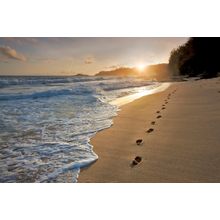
[139, 142]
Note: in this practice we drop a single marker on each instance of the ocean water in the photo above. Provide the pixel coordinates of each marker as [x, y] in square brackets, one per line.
[46, 123]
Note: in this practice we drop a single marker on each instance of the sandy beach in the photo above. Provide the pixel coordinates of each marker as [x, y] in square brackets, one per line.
[183, 145]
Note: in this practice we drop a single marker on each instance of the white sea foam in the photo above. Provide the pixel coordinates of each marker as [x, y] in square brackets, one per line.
[46, 123]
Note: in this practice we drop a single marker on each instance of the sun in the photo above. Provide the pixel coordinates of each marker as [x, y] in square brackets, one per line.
[141, 67]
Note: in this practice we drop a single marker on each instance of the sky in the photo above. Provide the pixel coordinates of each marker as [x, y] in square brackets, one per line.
[80, 55]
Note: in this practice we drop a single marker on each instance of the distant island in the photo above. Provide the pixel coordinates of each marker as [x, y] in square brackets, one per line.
[81, 75]
[151, 72]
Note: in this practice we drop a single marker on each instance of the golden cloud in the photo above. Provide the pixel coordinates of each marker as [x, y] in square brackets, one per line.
[9, 53]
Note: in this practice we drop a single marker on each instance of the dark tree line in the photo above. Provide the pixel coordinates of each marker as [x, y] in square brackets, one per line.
[198, 56]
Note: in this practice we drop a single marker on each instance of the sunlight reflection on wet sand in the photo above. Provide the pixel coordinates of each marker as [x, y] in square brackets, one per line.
[126, 99]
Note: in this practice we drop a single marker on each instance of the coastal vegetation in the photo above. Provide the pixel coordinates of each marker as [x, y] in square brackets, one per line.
[197, 57]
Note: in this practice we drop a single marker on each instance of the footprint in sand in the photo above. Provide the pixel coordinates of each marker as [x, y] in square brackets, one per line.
[136, 161]
[153, 122]
[159, 116]
[158, 112]
[166, 102]
[139, 141]
[150, 130]
[163, 108]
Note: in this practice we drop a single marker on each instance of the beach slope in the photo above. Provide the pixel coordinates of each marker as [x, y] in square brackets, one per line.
[184, 145]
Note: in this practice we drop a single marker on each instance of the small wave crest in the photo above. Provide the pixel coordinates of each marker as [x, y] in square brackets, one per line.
[79, 90]
[6, 81]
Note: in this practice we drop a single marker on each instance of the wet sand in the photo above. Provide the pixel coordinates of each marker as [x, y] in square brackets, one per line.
[182, 145]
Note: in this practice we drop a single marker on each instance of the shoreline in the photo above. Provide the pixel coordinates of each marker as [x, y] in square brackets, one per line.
[176, 150]
[119, 102]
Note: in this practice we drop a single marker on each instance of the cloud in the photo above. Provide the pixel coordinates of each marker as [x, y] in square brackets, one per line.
[9, 53]
[89, 60]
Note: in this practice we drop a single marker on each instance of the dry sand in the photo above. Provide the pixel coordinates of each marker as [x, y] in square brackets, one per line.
[184, 146]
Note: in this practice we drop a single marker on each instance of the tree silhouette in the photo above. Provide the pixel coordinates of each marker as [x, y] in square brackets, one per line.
[198, 56]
